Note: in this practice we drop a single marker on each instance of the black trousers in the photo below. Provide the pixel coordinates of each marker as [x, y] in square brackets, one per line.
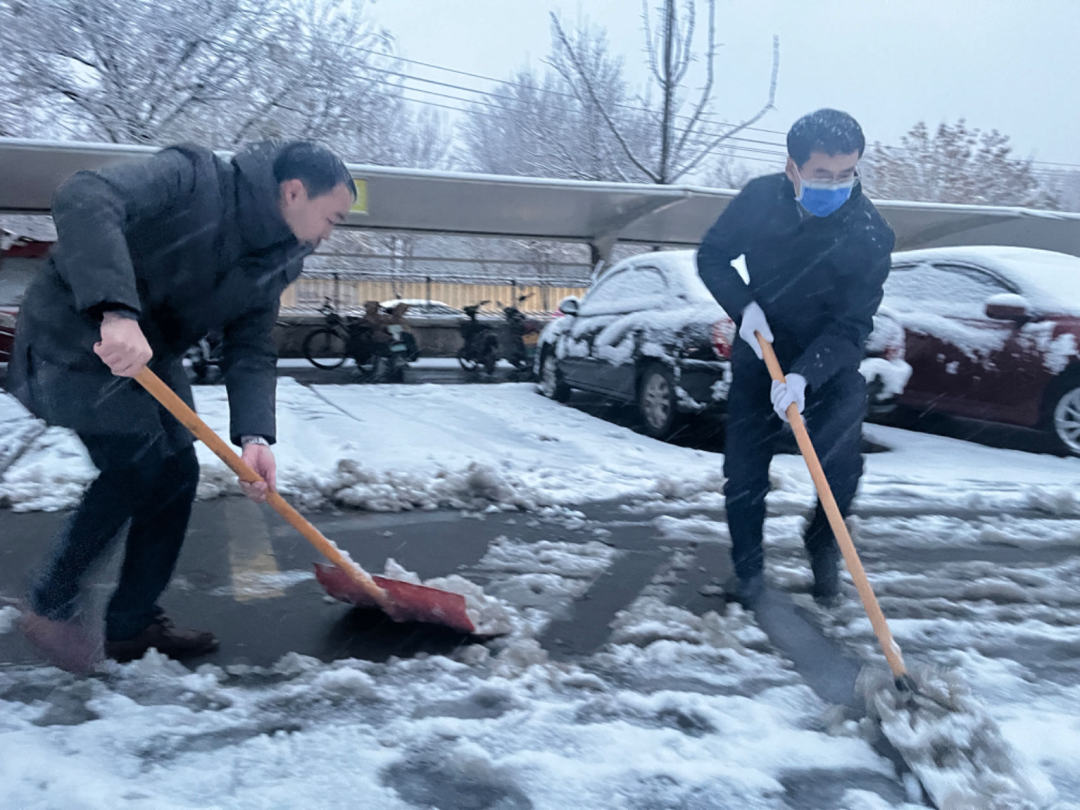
[834, 415]
[149, 481]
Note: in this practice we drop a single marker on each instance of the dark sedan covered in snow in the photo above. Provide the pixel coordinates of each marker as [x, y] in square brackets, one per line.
[992, 333]
[649, 332]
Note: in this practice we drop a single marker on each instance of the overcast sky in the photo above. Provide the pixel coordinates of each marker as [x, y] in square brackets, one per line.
[1013, 65]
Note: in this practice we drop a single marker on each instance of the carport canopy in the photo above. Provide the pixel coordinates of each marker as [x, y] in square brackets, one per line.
[600, 214]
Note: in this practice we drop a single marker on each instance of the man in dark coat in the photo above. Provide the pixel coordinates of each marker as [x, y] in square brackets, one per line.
[817, 253]
[150, 256]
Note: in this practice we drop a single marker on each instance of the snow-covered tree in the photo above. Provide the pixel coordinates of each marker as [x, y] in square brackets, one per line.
[1063, 186]
[681, 135]
[953, 164]
[535, 125]
[219, 72]
[728, 171]
[580, 120]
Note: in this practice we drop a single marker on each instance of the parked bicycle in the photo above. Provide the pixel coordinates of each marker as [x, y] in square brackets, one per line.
[378, 342]
[328, 346]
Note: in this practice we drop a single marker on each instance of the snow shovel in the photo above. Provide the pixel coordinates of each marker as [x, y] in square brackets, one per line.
[402, 601]
[952, 746]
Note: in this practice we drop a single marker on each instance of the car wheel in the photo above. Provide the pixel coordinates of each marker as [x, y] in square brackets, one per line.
[551, 381]
[1065, 417]
[657, 402]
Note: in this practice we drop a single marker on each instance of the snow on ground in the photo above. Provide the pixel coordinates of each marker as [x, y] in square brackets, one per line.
[678, 711]
[923, 473]
[391, 448]
[501, 732]
[972, 551]
[991, 597]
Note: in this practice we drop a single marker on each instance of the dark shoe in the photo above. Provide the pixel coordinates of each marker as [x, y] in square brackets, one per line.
[167, 639]
[69, 645]
[826, 567]
[746, 590]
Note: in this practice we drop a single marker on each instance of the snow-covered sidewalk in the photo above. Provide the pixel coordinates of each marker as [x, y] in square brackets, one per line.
[429, 446]
[405, 447]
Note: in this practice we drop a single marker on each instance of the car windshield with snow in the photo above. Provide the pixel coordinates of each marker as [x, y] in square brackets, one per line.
[649, 332]
[992, 334]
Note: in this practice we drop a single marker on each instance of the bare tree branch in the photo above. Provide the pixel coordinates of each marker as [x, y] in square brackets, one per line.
[650, 47]
[710, 75]
[769, 105]
[572, 54]
[684, 55]
[582, 121]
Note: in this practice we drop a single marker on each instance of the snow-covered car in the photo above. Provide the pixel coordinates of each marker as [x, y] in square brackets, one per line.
[649, 332]
[992, 333]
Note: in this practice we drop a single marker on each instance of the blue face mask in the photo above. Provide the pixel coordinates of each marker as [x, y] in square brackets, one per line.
[822, 199]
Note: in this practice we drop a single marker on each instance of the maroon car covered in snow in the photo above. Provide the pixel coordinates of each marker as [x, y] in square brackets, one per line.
[992, 333]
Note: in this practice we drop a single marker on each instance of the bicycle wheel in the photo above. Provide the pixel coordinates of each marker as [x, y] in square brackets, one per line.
[467, 363]
[325, 348]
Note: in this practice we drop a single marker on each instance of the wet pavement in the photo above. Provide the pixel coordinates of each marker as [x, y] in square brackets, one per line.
[246, 575]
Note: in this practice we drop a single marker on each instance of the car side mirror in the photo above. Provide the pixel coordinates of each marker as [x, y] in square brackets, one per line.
[569, 305]
[1008, 307]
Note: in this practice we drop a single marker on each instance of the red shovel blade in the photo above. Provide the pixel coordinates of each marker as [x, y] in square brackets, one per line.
[412, 603]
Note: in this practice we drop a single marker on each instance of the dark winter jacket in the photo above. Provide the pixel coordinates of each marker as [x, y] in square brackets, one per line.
[818, 279]
[185, 241]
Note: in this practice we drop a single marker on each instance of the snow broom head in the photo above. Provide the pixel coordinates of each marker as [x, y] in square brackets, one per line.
[951, 743]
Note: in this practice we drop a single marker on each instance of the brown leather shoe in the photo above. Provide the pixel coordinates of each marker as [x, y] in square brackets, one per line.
[69, 645]
[166, 638]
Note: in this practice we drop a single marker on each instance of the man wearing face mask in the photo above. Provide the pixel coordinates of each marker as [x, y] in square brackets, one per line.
[150, 256]
[817, 253]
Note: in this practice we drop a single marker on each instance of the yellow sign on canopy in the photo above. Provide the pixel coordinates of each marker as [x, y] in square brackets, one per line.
[360, 206]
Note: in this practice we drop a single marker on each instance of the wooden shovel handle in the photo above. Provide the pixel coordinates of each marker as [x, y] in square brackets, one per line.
[178, 408]
[836, 520]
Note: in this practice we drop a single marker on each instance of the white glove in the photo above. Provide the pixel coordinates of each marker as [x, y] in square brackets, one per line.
[753, 320]
[786, 393]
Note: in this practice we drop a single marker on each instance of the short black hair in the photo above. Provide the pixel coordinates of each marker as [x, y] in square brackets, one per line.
[830, 131]
[319, 169]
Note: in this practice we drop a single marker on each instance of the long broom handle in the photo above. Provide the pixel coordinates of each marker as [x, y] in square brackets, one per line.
[178, 408]
[836, 520]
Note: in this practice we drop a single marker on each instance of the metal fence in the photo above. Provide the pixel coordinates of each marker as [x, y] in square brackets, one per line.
[308, 294]
[348, 280]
